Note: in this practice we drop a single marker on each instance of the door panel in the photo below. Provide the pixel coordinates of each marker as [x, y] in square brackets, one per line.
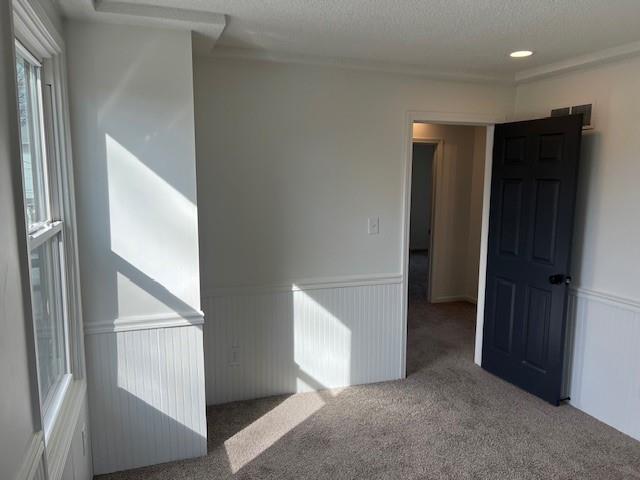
[515, 149]
[537, 329]
[511, 209]
[551, 148]
[547, 197]
[533, 190]
[503, 315]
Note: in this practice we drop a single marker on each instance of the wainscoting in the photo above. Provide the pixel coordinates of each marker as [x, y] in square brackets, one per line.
[33, 464]
[146, 388]
[603, 358]
[295, 338]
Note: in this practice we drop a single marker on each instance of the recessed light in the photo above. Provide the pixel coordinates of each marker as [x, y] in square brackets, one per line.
[521, 54]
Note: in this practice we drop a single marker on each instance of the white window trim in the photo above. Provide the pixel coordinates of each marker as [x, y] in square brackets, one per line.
[44, 231]
[57, 399]
[44, 44]
[43, 234]
[27, 55]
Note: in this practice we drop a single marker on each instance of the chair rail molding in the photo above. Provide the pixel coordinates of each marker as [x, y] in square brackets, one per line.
[318, 283]
[145, 322]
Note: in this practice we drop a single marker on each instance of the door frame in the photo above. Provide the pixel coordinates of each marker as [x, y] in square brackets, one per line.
[436, 168]
[471, 119]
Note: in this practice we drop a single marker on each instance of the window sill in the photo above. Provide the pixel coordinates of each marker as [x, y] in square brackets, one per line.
[55, 405]
[63, 428]
[44, 233]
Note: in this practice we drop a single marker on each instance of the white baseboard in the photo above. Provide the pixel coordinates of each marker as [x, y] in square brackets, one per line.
[455, 298]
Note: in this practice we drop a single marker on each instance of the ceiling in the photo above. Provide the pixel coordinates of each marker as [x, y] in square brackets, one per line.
[469, 37]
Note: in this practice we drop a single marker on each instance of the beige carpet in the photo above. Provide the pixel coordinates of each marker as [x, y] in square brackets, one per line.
[448, 420]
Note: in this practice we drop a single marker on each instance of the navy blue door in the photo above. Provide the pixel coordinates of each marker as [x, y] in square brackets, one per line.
[533, 190]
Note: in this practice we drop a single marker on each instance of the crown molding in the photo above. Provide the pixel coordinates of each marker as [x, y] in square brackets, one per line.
[582, 61]
[523, 76]
[206, 26]
[220, 52]
[154, 11]
[34, 28]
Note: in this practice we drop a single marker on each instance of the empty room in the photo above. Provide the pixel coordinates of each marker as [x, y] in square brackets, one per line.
[355, 239]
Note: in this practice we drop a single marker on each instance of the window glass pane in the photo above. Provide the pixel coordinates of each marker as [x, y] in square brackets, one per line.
[31, 137]
[48, 315]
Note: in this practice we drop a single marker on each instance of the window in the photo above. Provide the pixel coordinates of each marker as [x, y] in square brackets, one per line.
[45, 231]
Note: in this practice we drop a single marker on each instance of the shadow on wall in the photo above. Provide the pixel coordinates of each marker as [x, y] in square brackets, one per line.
[139, 433]
[299, 345]
[146, 386]
[138, 242]
[589, 172]
[140, 254]
[300, 339]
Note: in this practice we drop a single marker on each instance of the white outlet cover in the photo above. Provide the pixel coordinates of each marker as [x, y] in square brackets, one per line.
[374, 225]
[234, 361]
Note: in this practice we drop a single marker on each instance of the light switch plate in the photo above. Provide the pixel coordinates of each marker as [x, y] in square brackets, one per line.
[374, 225]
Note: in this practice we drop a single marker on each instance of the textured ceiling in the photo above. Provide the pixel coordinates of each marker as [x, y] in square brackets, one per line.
[457, 36]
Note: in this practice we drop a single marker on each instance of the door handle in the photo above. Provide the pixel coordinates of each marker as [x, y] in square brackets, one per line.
[560, 278]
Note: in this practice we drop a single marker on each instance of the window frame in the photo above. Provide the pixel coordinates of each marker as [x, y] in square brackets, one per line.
[36, 141]
[50, 229]
[40, 36]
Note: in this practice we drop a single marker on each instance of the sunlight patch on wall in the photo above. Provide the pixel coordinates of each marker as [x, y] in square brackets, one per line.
[149, 389]
[152, 226]
[322, 344]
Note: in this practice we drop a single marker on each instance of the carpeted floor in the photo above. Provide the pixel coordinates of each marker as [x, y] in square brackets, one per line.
[448, 420]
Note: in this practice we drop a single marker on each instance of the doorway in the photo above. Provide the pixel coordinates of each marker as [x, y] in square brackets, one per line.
[422, 200]
[444, 244]
[532, 192]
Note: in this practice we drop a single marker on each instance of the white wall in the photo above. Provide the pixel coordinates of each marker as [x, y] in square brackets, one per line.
[457, 210]
[292, 160]
[133, 129]
[51, 10]
[421, 192]
[475, 211]
[132, 106]
[18, 421]
[606, 249]
[607, 242]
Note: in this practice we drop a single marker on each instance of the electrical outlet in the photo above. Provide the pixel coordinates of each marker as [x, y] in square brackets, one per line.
[234, 360]
[83, 434]
[374, 225]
